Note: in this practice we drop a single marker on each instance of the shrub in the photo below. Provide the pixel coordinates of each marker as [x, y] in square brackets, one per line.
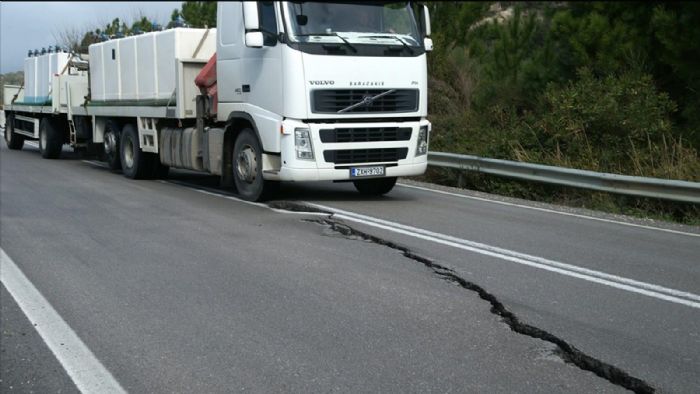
[615, 124]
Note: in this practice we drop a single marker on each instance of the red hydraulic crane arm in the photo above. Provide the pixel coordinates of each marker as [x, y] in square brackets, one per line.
[206, 82]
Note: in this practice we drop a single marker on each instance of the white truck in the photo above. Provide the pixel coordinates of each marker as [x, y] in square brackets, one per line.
[279, 91]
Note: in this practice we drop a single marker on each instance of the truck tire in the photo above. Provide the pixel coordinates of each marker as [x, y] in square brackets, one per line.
[247, 168]
[136, 164]
[375, 187]
[50, 139]
[111, 144]
[13, 140]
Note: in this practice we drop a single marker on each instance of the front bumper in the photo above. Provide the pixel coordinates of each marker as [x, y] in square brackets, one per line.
[301, 175]
[293, 169]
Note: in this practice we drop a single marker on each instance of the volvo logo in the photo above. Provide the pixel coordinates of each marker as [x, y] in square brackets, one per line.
[367, 100]
[322, 82]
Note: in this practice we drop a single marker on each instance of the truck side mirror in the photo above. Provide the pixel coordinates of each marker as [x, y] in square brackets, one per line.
[426, 21]
[251, 19]
[254, 39]
[427, 41]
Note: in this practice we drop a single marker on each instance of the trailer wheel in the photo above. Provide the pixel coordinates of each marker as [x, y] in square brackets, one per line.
[375, 187]
[247, 168]
[110, 145]
[13, 140]
[50, 139]
[136, 164]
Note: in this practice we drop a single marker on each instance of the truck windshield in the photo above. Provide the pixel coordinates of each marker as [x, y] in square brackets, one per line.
[365, 23]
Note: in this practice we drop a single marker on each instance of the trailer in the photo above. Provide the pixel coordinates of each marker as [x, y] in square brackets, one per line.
[279, 91]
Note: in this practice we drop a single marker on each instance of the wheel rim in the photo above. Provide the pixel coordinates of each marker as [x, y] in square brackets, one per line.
[110, 143]
[247, 164]
[128, 153]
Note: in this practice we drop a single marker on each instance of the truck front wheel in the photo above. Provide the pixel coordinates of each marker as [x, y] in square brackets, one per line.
[375, 187]
[50, 139]
[136, 164]
[13, 140]
[247, 168]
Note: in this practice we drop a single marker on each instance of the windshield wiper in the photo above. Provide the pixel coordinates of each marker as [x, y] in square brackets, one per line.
[334, 34]
[399, 39]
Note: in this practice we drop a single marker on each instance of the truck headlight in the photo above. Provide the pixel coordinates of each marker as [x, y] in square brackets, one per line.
[422, 146]
[302, 144]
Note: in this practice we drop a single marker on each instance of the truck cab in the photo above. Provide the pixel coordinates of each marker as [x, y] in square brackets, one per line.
[333, 91]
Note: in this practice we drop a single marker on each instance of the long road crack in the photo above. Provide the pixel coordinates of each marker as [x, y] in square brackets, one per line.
[568, 353]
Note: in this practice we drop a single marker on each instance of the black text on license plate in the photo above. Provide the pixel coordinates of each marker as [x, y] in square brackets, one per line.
[366, 171]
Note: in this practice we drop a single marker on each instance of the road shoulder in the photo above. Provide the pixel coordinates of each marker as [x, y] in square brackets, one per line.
[26, 363]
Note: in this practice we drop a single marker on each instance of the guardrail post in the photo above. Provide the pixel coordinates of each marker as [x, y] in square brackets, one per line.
[461, 180]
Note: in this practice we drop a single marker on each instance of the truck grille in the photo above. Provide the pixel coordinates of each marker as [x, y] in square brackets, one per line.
[348, 156]
[334, 100]
[366, 134]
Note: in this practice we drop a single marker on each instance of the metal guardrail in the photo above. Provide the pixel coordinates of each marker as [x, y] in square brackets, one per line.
[614, 183]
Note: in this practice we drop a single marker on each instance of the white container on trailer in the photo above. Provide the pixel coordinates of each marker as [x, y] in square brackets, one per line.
[112, 77]
[97, 72]
[9, 92]
[179, 44]
[57, 62]
[128, 72]
[29, 79]
[144, 67]
[146, 59]
[42, 78]
[46, 66]
[38, 74]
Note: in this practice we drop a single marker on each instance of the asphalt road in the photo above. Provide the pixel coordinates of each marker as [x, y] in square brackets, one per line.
[176, 286]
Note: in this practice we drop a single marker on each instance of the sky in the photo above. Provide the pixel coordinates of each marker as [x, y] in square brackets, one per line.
[34, 25]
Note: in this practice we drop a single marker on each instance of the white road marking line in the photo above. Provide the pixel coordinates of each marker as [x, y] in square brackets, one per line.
[217, 193]
[548, 210]
[86, 371]
[502, 253]
[535, 265]
[615, 281]
[96, 163]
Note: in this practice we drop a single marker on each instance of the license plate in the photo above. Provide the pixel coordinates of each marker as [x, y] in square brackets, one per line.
[356, 172]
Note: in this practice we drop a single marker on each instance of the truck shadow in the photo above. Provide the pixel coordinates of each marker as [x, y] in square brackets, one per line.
[295, 191]
[289, 191]
[32, 147]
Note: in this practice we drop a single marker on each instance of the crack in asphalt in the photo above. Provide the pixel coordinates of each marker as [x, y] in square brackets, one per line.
[569, 353]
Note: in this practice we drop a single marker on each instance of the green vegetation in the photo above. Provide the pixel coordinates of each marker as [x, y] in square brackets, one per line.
[15, 78]
[602, 86]
[197, 13]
